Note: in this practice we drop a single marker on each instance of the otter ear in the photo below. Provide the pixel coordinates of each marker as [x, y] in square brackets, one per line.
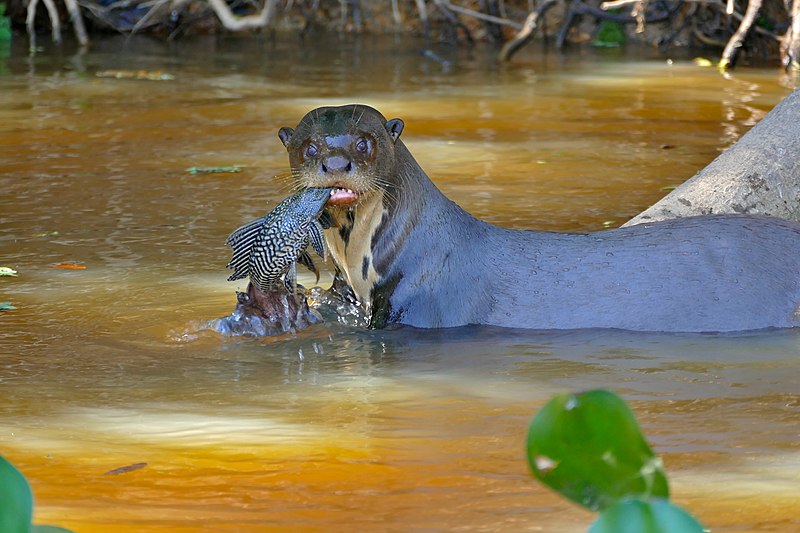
[395, 128]
[285, 135]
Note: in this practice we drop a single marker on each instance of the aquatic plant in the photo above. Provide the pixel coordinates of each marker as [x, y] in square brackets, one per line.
[16, 503]
[588, 447]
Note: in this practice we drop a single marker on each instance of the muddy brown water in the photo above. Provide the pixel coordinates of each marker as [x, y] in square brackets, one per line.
[335, 428]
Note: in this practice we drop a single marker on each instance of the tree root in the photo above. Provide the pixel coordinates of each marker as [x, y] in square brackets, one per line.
[790, 45]
[736, 40]
[55, 22]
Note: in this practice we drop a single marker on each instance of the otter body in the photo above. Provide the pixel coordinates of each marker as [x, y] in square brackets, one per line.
[412, 256]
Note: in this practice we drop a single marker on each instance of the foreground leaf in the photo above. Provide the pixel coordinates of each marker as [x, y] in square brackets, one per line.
[49, 529]
[636, 516]
[16, 500]
[6, 306]
[7, 271]
[588, 447]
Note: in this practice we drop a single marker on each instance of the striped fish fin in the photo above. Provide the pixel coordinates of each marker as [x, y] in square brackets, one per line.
[245, 233]
[325, 219]
[241, 242]
[317, 240]
[305, 260]
[290, 279]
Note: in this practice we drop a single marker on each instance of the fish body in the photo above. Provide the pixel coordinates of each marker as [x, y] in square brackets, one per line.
[270, 247]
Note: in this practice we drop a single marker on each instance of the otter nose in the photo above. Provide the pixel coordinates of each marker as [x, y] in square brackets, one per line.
[337, 163]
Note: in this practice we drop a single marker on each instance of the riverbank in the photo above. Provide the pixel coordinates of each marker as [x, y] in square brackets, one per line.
[757, 32]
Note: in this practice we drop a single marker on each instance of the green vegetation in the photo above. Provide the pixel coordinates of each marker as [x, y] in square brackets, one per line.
[609, 34]
[5, 25]
[588, 447]
[16, 503]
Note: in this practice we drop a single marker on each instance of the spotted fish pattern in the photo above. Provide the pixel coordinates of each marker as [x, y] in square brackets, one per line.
[269, 248]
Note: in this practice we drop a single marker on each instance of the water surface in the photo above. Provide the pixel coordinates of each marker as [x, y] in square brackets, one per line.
[336, 428]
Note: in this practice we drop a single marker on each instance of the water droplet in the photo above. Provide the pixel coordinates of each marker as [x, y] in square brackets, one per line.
[572, 403]
[544, 464]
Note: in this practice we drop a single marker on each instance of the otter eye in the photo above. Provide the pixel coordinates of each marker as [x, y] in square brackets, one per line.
[362, 146]
[311, 150]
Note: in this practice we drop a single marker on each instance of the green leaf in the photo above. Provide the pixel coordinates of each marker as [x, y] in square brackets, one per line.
[16, 500]
[636, 516]
[6, 306]
[7, 271]
[589, 448]
[214, 170]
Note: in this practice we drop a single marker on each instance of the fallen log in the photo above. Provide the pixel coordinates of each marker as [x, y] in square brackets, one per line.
[759, 174]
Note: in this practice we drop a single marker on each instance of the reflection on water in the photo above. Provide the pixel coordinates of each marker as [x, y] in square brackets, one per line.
[337, 427]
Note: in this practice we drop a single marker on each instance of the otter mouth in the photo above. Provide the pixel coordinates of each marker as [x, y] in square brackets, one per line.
[341, 196]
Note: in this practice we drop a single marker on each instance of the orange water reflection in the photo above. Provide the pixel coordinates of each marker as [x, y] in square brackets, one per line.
[335, 429]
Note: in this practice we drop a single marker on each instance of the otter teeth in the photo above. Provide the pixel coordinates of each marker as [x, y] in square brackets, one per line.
[342, 196]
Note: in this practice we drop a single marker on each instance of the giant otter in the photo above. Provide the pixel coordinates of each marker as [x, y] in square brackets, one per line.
[414, 257]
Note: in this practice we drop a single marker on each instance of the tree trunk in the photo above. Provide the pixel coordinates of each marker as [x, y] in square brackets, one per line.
[760, 174]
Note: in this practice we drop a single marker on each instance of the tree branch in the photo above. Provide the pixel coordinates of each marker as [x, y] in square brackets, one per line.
[525, 34]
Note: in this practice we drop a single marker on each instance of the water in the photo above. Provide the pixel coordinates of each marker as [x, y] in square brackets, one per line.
[337, 428]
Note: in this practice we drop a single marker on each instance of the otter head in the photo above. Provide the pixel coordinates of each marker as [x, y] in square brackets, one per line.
[349, 148]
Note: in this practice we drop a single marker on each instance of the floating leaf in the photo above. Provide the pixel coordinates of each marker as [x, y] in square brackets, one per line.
[669, 187]
[7, 271]
[636, 516]
[589, 448]
[124, 469]
[46, 234]
[16, 503]
[608, 223]
[214, 170]
[6, 306]
[69, 266]
[702, 62]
